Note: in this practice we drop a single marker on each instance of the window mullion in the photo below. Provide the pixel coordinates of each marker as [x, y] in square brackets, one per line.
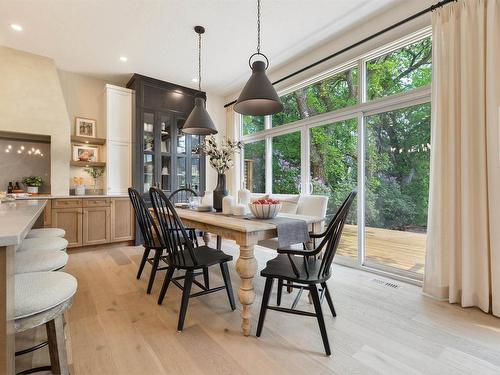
[269, 165]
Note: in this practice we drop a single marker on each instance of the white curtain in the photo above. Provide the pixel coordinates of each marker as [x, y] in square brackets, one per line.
[463, 242]
[232, 132]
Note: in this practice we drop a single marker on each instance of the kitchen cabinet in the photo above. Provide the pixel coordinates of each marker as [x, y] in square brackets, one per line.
[119, 116]
[122, 220]
[163, 155]
[69, 219]
[96, 225]
[94, 221]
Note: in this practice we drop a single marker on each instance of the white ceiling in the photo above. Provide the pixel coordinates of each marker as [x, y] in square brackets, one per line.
[157, 37]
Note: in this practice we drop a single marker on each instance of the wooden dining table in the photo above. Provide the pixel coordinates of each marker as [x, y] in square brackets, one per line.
[246, 233]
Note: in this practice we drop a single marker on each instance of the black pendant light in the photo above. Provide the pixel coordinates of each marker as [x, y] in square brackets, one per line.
[258, 97]
[199, 121]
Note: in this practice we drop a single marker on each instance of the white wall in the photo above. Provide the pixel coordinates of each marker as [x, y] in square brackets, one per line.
[215, 108]
[31, 101]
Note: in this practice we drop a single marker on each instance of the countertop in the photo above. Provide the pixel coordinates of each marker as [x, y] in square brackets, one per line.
[17, 218]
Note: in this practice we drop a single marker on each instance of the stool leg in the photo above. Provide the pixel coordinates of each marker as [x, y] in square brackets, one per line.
[57, 346]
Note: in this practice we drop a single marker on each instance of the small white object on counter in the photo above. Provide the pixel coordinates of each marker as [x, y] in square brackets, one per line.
[239, 209]
[79, 189]
[227, 204]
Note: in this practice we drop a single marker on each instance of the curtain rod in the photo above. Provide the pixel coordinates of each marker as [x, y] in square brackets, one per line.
[362, 41]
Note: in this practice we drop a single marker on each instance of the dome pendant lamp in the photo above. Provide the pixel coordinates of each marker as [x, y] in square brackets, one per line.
[199, 121]
[258, 97]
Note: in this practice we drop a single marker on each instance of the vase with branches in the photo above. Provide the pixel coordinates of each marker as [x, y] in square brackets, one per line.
[221, 158]
[95, 173]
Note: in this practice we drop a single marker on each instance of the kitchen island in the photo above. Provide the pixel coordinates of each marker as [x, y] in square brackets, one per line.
[16, 219]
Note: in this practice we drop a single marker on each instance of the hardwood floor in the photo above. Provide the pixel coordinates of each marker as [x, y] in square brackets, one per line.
[398, 249]
[115, 328]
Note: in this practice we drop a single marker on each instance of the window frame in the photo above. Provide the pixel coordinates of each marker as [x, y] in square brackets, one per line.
[362, 109]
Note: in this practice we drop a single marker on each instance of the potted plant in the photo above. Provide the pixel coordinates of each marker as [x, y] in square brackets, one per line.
[220, 157]
[32, 184]
[95, 173]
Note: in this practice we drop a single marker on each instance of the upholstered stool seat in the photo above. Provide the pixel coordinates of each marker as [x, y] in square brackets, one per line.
[43, 243]
[40, 261]
[41, 298]
[46, 232]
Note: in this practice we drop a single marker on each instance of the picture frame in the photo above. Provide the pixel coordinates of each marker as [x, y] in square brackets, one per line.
[85, 153]
[85, 127]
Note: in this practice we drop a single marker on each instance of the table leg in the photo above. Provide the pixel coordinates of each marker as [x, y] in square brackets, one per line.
[246, 266]
[206, 238]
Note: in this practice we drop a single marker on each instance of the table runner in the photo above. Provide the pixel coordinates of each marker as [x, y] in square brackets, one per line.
[290, 231]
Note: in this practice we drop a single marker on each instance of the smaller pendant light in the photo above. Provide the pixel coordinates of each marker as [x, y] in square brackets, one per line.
[199, 121]
[258, 97]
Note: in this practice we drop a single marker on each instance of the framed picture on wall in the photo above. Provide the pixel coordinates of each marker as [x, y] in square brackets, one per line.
[85, 127]
[85, 153]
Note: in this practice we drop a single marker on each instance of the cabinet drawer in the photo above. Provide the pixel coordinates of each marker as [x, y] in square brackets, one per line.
[96, 202]
[66, 203]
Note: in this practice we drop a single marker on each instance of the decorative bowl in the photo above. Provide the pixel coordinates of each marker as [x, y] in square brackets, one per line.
[264, 211]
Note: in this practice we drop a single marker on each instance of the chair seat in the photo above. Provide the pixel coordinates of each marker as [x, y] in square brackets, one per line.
[205, 256]
[46, 232]
[40, 261]
[41, 291]
[43, 243]
[281, 268]
[272, 243]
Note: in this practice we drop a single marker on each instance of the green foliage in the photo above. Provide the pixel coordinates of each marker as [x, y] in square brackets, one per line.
[34, 181]
[286, 163]
[95, 172]
[252, 124]
[255, 157]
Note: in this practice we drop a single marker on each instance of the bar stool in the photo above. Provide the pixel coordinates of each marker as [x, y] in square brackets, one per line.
[43, 243]
[46, 232]
[42, 298]
[40, 261]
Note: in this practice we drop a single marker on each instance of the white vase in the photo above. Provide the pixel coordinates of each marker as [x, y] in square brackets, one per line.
[32, 189]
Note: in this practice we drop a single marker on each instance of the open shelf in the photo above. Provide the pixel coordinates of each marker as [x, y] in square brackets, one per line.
[88, 140]
[74, 163]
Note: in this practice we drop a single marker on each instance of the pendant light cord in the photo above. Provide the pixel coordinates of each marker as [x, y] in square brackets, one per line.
[199, 62]
[258, 26]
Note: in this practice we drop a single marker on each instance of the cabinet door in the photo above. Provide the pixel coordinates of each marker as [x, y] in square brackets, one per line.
[96, 225]
[47, 214]
[119, 114]
[119, 173]
[122, 220]
[69, 219]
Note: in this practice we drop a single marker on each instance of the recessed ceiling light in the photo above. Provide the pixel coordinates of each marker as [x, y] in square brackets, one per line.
[123, 59]
[16, 27]
[195, 80]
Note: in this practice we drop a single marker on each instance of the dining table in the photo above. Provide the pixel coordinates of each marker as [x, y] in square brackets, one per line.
[246, 233]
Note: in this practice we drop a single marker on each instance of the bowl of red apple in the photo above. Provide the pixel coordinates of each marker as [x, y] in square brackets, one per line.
[265, 208]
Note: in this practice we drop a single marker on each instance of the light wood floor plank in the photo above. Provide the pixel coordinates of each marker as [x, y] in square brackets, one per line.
[114, 327]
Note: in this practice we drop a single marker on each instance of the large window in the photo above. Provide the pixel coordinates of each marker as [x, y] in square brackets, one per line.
[376, 141]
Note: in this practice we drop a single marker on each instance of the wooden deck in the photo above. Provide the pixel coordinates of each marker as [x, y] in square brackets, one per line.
[402, 250]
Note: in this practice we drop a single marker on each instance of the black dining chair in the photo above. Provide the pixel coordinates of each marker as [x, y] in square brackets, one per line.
[185, 256]
[150, 236]
[302, 269]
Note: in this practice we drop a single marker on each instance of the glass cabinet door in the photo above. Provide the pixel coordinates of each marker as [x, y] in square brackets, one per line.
[181, 137]
[181, 172]
[149, 133]
[165, 122]
[149, 171]
[195, 174]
